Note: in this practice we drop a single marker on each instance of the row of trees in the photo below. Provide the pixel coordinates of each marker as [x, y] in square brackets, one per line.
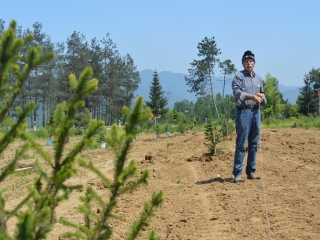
[119, 79]
[187, 111]
[47, 85]
[204, 108]
[200, 81]
[306, 104]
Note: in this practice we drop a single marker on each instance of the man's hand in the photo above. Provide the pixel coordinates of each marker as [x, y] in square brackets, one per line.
[260, 96]
[254, 98]
[257, 99]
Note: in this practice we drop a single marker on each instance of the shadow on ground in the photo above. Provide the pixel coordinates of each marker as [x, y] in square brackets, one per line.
[218, 179]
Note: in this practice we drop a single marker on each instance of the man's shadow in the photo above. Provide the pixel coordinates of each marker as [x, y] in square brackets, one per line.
[217, 179]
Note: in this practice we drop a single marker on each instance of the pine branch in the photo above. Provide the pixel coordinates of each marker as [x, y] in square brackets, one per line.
[148, 212]
[134, 184]
[36, 212]
[90, 166]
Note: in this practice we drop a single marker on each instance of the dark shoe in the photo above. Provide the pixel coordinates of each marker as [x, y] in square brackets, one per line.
[252, 176]
[238, 179]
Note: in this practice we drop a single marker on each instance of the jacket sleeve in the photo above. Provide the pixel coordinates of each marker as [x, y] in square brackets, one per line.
[264, 100]
[238, 92]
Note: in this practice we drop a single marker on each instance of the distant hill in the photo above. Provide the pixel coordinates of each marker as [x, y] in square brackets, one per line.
[176, 88]
[172, 83]
[290, 93]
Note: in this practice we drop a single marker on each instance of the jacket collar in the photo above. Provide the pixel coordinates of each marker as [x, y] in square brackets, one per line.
[247, 74]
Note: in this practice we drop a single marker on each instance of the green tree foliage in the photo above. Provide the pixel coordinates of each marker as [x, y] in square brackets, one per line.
[131, 80]
[185, 114]
[158, 102]
[204, 108]
[308, 99]
[34, 215]
[201, 71]
[39, 81]
[121, 79]
[316, 86]
[289, 110]
[95, 59]
[227, 69]
[274, 97]
[184, 105]
[76, 59]
[2, 22]
[173, 117]
[49, 84]
[82, 119]
[230, 106]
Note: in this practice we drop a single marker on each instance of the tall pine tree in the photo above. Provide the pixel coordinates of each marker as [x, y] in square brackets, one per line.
[158, 101]
[307, 100]
[201, 71]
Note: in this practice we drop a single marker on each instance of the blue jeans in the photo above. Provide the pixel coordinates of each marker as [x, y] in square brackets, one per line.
[248, 129]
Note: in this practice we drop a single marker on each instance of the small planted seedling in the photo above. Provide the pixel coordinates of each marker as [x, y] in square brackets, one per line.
[213, 138]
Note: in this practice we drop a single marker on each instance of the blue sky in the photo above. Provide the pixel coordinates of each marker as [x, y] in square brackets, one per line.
[163, 35]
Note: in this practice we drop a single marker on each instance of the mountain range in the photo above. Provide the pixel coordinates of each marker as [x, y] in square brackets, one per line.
[176, 89]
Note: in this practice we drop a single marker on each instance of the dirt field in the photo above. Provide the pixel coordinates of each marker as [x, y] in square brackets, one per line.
[201, 200]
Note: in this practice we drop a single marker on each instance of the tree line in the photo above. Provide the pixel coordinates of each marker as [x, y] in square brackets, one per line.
[200, 82]
[119, 79]
[48, 85]
[307, 103]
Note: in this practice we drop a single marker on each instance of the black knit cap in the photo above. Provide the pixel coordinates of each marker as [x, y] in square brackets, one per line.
[248, 55]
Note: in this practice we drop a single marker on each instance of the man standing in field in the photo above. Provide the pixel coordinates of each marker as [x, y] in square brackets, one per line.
[248, 91]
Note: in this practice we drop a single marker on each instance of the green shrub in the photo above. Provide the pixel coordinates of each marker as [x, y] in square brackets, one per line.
[76, 131]
[144, 126]
[317, 124]
[181, 127]
[82, 119]
[226, 127]
[156, 128]
[101, 135]
[40, 133]
[167, 127]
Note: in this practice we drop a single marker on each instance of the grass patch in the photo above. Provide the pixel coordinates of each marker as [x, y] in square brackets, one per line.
[18, 184]
[302, 122]
[22, 173]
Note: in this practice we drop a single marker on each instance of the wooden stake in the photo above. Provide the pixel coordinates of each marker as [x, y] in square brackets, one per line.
[22, 169]
[214, 140]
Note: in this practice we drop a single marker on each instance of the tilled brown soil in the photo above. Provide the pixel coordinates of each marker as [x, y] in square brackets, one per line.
[202, 202]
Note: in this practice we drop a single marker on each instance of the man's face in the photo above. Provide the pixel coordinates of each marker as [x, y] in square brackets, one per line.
[248, 65]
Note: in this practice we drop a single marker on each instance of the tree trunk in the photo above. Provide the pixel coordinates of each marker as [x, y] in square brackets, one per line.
[214, 102]
[224, 85]
[43, 114]
[35, 110]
